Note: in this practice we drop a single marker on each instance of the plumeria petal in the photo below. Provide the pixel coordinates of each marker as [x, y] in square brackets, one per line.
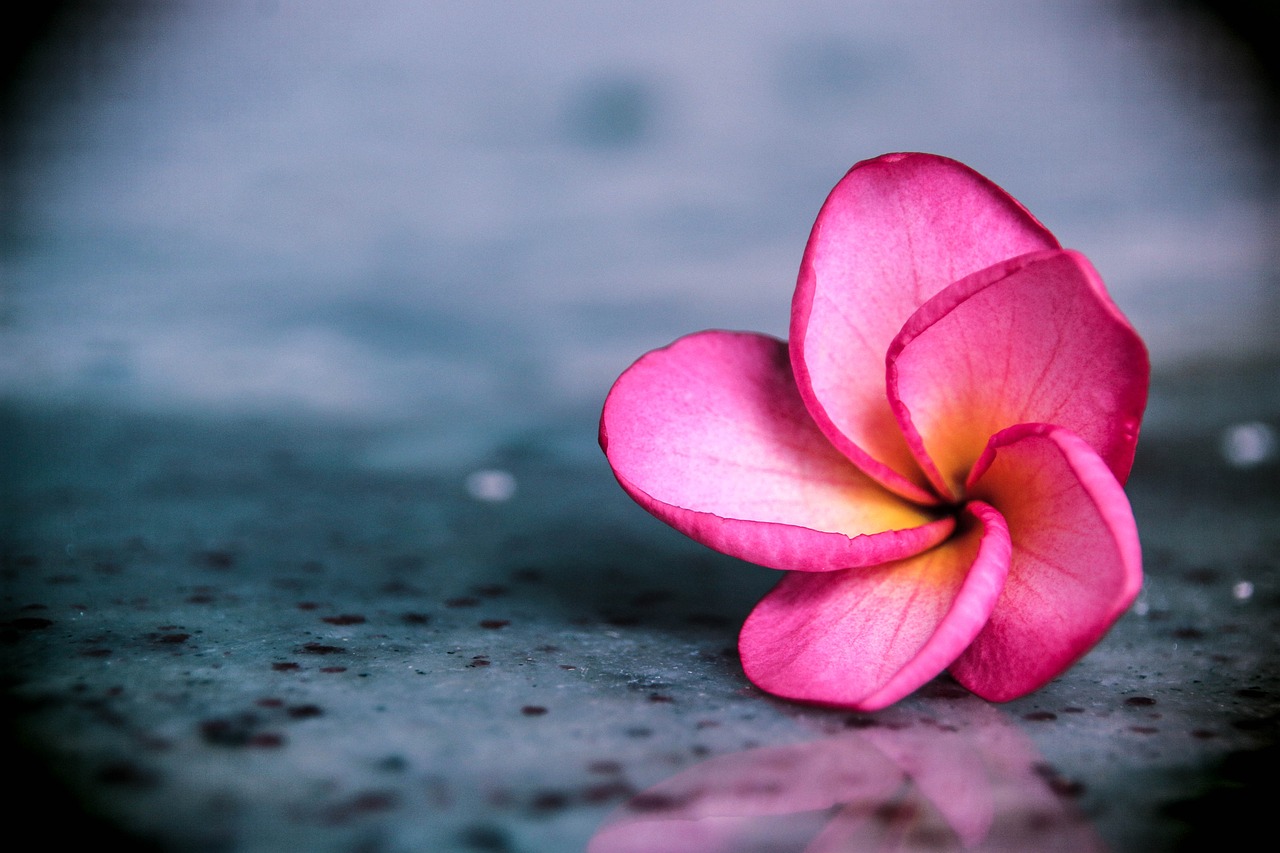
[867, 637]
[710, 435]
[1032, 340]
[893, 232]
[1076, 562]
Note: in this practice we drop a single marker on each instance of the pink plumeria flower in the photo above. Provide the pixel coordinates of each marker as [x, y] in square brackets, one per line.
[936, 459]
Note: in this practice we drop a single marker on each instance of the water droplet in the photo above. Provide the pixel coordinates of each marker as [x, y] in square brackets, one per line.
[1242, 591]
[1141, 608]
[491, 485]
[1248, 444]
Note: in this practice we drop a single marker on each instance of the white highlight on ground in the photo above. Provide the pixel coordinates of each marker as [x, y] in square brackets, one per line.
[491, 485]
[1248, 444]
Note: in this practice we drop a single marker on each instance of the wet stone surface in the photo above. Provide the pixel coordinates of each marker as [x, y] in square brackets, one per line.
[236, 636]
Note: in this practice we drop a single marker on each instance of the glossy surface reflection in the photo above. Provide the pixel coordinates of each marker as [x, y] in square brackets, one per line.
[953, 776]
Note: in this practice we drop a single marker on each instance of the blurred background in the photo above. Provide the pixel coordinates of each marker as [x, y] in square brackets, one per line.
[452, 220]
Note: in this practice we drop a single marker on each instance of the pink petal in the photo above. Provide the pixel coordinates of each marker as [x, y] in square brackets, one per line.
[1032, 340]
[710, 435]
[1076, 562]
[865, 638]
[893, 232]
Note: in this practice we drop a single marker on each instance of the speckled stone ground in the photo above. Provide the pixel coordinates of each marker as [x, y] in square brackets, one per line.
[244, 637]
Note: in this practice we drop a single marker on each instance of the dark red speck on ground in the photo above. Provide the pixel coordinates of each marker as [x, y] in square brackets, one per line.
[217, 559]
[366, 802]
[169, 639]
[322, 649]
[549, 801]
[605, 766]
[345, 619]
[30, 623]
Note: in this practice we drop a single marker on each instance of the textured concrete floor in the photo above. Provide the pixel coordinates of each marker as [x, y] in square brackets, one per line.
[245, 636]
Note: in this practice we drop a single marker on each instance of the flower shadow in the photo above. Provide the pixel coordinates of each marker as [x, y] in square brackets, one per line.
[963, 779]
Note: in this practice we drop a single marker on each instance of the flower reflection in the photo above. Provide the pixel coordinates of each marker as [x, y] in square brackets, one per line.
[962, 779]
